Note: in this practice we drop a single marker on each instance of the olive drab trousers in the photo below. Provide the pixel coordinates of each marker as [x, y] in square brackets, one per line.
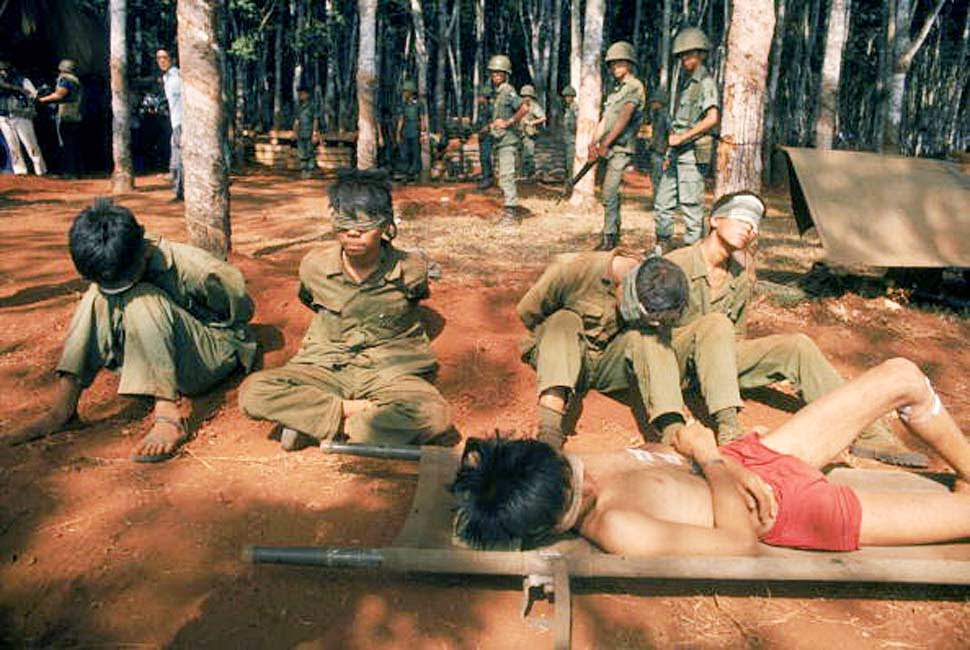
[160, 348]
[612, 178]
[631, 361]
[569, 153]
[528, 156]
[708, 350]
[681, 185]
[306, 397]
[505, 159]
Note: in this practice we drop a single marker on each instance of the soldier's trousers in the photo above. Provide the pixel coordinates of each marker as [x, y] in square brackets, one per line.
[485, 156]
[681, 185]
[411, 155]
[17, 131]
[569, 152]
[175, 163]
[161, 349]
[612, 177]
[307, 153]
[506, 174]
[632, 363]
[528, 156]
[708, 350]
[308, 398]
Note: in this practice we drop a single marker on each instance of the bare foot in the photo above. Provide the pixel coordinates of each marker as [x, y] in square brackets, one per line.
[165, 436]
[352, 407]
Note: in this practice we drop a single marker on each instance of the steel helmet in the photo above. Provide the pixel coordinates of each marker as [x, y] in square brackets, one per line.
[528, 91]
[568, 91]
[409, 86]
[67, 65]
[690, 38]
[620, 51]
[500, 63]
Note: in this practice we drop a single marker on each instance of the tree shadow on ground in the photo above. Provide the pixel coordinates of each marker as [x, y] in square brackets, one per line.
[39, 293]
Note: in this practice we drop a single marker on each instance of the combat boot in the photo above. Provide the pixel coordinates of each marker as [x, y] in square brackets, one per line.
[509, 219]
[608, 242]
[551, 427]
[485, 183]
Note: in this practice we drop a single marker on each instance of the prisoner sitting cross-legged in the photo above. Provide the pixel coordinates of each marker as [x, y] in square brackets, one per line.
[364, 368]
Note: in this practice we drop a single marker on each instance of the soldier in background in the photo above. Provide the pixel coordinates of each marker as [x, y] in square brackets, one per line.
[485, 95]
[508, 110]
[569, 115]
[529, 128]
[17, 113]
[690, 143]
[412, 124]
[616, 134]
[68, 95]
[307, 134]
[660, 128]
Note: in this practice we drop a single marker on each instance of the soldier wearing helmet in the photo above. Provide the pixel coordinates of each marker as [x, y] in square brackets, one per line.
[485, 96]
[507, 110]
[529, 127]
[569, 128]
[68, 96]
[615, 135]
[412, 125]
[695, 115]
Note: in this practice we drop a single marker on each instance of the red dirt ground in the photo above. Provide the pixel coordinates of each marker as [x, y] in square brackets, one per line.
[98, 552]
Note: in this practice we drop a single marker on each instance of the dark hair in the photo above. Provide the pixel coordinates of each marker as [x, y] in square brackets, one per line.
[662, 289]
[508, 491]
[367, 191]
[105, 241]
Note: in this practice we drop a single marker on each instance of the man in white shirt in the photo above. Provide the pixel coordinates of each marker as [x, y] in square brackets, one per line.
[17, 112]
[172, 80]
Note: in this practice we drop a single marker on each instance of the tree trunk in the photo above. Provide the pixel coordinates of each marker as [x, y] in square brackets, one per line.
[348, 103]
[665, 47]
[206, 178]
[826, 124]
[746, 70]
[331, 100]
[959, 85]
[122, 178]
[590, 93]
[477, 77]
[440, 93]
[366, 85]
[554, 63]
[777, 51]
[421, 63]
[278, 73]
[575, 44]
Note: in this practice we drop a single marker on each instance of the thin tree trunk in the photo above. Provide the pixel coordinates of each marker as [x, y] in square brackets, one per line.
[206, 177]
[122, 178]
[366, 85]
[477, 77]
[590, 93]
[826, 124]
[575, 44]
[746, 70]
[348, 104]
[331, 100]
[637, 16]
[542, 83]
[440, 93]
[553, 107]
[959, 85]
[262, 89]
[771, 107]
[665, 46]
[421, 63]
[278, 73]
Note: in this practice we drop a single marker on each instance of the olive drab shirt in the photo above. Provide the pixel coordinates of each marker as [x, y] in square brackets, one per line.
[373, 325]
[577, 282]
[569, 117]
[732, 299]
[535, 113]
[506, 103]
[305, 114]
[695, 96]
[484, 116]
[628, 91]
[411, 113]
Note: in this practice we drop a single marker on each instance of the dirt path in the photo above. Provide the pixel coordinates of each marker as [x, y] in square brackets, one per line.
[95, 551]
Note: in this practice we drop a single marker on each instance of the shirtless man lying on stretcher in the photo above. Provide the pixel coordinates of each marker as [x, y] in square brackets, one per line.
[768, 489]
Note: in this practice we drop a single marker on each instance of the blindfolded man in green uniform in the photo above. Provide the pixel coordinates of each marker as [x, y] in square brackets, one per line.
[364, 367]
[170, 318]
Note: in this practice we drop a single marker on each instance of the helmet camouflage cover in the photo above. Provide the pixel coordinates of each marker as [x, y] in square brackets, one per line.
[620, 51]
[500, 63]
[690, 38]
[528, 91]
[568, 91]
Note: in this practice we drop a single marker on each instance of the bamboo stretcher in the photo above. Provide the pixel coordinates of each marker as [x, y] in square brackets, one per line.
[425, 545]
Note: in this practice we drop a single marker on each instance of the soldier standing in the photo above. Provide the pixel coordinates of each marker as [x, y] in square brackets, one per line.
[529, 127]
[68, 95]
[17, 113]
[307, 136]
[506, 113]
[660, 129]
[569, 115]
[615, 135]
[412, 124]
[485, 95]
[690, 144]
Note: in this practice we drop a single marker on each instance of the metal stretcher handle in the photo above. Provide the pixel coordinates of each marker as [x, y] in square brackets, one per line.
[336, 557]
[404, 452]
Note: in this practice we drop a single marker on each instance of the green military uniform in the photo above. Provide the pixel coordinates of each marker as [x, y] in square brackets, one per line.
[529, 133]
[578, 341]
[628, 91]
[411, 114]
[366, 341]
[484, 135]
[682, 183]
[179, 331]
[569, 116]
[505, 142]
[305, 115]
[709, 345]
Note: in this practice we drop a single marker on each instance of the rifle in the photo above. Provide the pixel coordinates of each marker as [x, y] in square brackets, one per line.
[570, 183]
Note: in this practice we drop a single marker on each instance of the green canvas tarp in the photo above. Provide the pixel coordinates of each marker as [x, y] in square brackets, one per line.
[885, 211]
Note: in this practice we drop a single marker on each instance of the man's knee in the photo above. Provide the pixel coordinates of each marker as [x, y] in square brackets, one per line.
[802, 346]
[906, 377]
[562, 323]
[714, 327]
[251, 394]
[148, 310]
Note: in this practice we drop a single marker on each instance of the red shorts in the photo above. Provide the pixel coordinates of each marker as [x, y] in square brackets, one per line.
[812, 513]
